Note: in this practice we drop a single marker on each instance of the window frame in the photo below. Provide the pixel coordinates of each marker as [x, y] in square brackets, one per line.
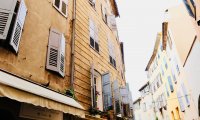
[95, 37]
[61, 7]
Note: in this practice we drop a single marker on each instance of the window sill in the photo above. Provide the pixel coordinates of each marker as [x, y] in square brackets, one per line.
[60, 12]
[113, 66]
[94, 49]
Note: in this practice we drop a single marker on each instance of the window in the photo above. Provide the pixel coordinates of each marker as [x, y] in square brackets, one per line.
[112, 57]
[165, 62]
[166, 90]
[107, 92]
[94, 43]
[169, 39]
[104, 14]
[144, 107]
[179, 96]
[176, 66]
[161, 67]
[116, 96]
[170, 83]
[56, 52]
[185, 94]
[92, 2]
[188, 8]
[12, 18]
[61, 6]
[173, 75]
[111, 21]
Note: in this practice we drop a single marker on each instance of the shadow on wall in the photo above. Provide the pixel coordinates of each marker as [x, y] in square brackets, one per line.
[199, 105]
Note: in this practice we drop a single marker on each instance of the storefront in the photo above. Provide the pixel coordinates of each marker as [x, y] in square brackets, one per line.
[21, 99]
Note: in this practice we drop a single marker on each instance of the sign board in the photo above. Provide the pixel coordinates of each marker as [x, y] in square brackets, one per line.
[39, 113]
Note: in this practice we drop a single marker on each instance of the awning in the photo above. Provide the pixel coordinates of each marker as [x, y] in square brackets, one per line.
[21, 90]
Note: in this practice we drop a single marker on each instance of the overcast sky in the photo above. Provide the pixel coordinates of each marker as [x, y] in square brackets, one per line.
[139, 22]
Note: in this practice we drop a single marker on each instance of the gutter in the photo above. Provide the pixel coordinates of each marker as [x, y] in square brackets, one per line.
[73, 44]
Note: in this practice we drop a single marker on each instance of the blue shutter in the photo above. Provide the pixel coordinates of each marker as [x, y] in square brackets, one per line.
[107, 93]
[180, 101]
[117, 97]
[185, 94]
[170, 83]
[124, 94]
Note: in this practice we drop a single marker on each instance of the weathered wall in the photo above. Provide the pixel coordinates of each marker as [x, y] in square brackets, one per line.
[85, 55]
[31, 59]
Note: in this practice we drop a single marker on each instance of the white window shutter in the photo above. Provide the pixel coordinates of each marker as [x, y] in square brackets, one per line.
[180, 101]
[18, 26]
[7, 8]
[92, 28]
[62, 56]
[107, 93]
[103, 10]
[116, 90]
[185, 94]
[96, 33]
[56, 52]
[124, 94]
[113, 23]
[92, 85]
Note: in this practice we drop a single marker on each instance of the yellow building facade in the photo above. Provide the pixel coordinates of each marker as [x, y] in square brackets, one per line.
[63, 55]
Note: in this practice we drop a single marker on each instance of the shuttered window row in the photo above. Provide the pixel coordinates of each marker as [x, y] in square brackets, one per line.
[12, 11]
[12, 18]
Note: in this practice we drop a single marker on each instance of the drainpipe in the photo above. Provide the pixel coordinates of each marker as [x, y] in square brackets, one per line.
[73, 44]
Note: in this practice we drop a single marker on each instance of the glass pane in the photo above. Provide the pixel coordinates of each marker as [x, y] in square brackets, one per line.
[57, 3]
[64, 8]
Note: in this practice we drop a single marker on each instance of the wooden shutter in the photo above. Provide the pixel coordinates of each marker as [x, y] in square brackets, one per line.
[185, 94]
[107, 93]
[180, 101]
[113, 22]
[116, 96]
[56, 52]
[124, 94]
[18, 26]
[92, 84]
[7, 8]
[116, 90]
